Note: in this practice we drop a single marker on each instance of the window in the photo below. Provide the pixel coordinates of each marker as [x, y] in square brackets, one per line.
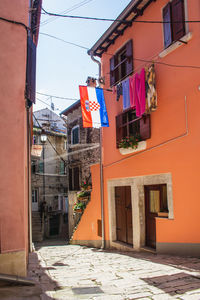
[35, 196]
[62, 167]
[33, 166]
[41, 167]
[121, 64]
[35, 140]
[173, 12]
[127, 125]
[65, 145]
[75, 135]
[74, 184]
[157, 199]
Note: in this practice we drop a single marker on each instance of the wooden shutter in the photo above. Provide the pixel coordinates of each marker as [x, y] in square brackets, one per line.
[178, 15]
[167, 26]
[31, 70]
[129, 55]
[112, 72]
[76, 179]
[119, 134]
[70, 180]
[145, 128]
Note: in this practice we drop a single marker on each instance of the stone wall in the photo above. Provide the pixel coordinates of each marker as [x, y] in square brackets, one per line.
[87, 152]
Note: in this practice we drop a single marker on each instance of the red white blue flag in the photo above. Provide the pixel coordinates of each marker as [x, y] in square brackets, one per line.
[93, 107]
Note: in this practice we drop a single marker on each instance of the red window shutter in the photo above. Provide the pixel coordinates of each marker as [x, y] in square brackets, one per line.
[178, 15]
[167, 26]
[119, 131]
[112, 72]
[31, 70]
[129, 55]
[145, 128]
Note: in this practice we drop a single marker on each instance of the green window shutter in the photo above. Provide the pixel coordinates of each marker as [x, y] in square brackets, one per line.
[62, 168]
[41, 167]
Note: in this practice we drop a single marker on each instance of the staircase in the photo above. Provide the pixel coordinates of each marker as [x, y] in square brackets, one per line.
[37, 227]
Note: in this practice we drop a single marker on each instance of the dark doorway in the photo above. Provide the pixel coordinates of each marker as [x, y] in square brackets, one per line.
[124, 229]
[54, 225]
[155, 206]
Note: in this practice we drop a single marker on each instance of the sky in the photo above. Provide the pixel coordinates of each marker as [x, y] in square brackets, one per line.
[62, 67]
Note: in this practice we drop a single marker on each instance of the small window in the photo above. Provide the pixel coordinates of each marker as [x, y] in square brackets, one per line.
[74, 182]
[75, 135]
[35, 140]
[128, 125]
[121, 64]
[174, 13]
[34, 195]
[65, 145]
[33, 166]
[41, 167]
[157, 199]
[62, 168]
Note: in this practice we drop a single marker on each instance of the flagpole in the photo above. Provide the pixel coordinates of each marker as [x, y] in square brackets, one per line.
[102, 191]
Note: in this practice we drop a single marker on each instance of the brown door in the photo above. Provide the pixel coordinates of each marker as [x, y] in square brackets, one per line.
[155, 202]
[123, 206]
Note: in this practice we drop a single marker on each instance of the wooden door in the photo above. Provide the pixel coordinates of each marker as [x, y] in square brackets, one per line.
[155, 202]
[124, 229]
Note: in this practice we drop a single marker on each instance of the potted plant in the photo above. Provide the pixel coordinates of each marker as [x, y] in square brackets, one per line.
[85, 185]
[130, 142]
[79, 207]
[83, 195]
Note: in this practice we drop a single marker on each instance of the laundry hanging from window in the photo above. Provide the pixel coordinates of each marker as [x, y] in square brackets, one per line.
[139, 91]
[151, 94]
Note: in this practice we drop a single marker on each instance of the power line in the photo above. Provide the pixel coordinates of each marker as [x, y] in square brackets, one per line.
[58, 97]
[137, 59]
[118, 20]
[59, 39]
[76, 6]
[15, 22]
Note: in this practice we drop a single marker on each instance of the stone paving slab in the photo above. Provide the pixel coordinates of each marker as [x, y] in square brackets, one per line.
[65, 272]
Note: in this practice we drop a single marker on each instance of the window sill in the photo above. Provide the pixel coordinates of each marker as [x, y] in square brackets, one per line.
[141, 146]
[163, 214]
[176, 45]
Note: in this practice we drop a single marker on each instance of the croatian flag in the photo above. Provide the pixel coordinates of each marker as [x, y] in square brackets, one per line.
[93, 107]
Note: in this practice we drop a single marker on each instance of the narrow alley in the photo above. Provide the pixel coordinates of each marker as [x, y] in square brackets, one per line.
[63, 271]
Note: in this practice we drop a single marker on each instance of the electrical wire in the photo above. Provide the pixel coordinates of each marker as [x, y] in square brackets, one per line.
[118, 20]
[76, 6]
[136, 59]
[58, 97]
[59, 39]
[15, 22]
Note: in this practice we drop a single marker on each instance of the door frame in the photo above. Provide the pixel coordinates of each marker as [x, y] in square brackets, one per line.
[138, 206]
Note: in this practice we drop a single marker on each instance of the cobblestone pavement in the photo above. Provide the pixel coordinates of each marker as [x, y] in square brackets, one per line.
[76, 272]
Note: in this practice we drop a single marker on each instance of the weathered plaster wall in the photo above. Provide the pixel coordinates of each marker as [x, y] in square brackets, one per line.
[77, 154]
[13, 154]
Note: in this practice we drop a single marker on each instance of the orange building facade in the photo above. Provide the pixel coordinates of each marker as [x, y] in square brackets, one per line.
[15, 116]
[151, 194]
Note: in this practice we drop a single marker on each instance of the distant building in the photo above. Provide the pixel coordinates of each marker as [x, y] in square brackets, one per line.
[82, 151]
[49, 178]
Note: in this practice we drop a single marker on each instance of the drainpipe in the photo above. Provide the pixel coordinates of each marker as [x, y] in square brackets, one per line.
[101, 163]
[29, 179]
